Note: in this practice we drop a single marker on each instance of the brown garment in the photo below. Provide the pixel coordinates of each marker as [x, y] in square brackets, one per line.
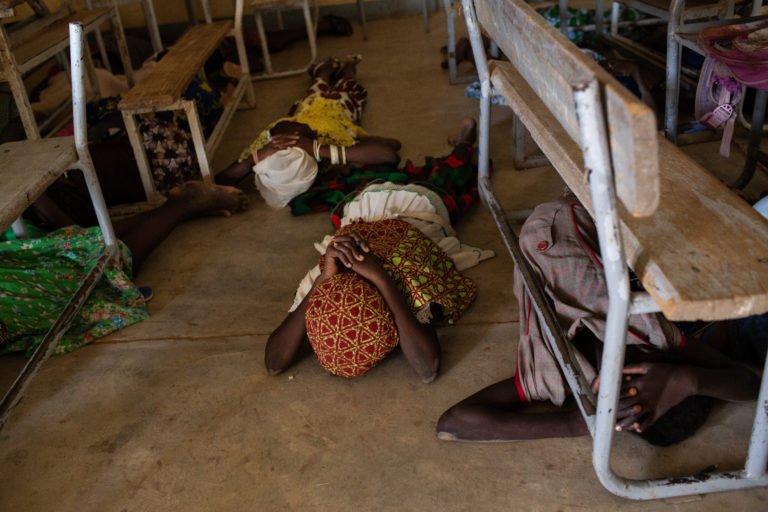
[560, 242]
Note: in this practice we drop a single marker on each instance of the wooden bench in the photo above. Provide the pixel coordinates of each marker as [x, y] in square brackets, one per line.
[43, 38]
[699, 250]
[28, 168]
[163, 90]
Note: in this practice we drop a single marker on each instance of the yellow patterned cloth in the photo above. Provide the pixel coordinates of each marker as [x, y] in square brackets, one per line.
[348, 323]
[332, 112]
[421, 269]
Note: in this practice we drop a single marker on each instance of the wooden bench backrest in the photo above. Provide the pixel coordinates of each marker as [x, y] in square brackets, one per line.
[553, 66]
[165, 84]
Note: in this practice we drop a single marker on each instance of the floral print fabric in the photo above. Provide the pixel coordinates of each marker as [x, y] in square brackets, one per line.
[38, 277]
[331, 111]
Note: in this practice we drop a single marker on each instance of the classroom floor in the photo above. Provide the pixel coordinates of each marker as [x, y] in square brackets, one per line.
[178, 413]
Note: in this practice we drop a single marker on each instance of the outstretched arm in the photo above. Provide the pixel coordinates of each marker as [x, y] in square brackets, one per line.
[367, 151]
[284, 343]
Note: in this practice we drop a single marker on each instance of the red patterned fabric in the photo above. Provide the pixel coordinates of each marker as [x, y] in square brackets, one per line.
[349, 325]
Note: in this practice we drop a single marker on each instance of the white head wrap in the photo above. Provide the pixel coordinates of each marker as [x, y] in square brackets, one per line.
[284, 175]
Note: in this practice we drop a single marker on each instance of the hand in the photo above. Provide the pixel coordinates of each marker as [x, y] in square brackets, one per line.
[343, 252]
[278, 142]
[370, 268]
[649, 390]
[305, 143]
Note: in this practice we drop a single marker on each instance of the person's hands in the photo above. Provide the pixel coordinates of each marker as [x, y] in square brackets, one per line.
[343, 252]
[276, 143]
[304, 142]
[648, 391]
[370, 268]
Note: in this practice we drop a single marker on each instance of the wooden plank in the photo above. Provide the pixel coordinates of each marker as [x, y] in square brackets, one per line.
[56, 36]
[170, 77]
[553, 66]
[703, 255]
[28, 168]
[554, 141]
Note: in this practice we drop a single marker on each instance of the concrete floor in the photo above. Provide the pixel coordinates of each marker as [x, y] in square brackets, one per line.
[177, 413]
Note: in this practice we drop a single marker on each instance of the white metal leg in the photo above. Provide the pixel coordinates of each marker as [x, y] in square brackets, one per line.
[361, 15]
[198, 139]
[451, 26]
[151, 21]
[310, 26]
[142, 162]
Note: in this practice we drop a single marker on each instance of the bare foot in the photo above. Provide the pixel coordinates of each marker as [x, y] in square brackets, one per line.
[467, 134]
[202, 198]
[325, 69]
[349, 65]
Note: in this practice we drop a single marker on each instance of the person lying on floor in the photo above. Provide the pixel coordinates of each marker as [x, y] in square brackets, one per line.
[321, 132]
[38, 275]
[671, 372]
[392, 266]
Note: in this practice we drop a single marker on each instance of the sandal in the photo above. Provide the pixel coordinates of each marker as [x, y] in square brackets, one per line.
[146, 293]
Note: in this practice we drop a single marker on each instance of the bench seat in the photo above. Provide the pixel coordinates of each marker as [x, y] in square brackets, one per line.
[163, 87]
[28, 168]
[697, 262]
[55, 38]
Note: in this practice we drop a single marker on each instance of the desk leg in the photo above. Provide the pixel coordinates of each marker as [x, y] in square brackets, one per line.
[753, 150]
[451, 53]
[361, 15]
[198, 139]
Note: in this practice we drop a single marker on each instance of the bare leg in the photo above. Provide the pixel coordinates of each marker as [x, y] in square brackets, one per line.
[467, 133]
[349, 66]
[145, 232]
[494, 414]
[235, 173]
[324, 71]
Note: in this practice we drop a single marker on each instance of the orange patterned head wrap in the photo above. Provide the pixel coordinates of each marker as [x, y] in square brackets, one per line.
[349, 325]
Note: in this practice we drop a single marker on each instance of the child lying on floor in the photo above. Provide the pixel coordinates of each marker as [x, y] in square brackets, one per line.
[668, 370]
[391, 267]
[38, 275]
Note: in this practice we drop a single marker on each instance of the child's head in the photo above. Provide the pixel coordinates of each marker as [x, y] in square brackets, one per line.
[349, 325]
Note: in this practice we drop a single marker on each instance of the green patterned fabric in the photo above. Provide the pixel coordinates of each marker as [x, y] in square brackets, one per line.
[39, 275]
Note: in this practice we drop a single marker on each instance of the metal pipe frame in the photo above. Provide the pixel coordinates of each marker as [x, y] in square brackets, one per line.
[450, 20]
[674, 53]
[311, 27]
[595, 147]
[553, 334]
[756, 132]
[451, 53]
[85, 164]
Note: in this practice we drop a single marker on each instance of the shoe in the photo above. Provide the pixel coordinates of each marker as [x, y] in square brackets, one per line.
[146, 292]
